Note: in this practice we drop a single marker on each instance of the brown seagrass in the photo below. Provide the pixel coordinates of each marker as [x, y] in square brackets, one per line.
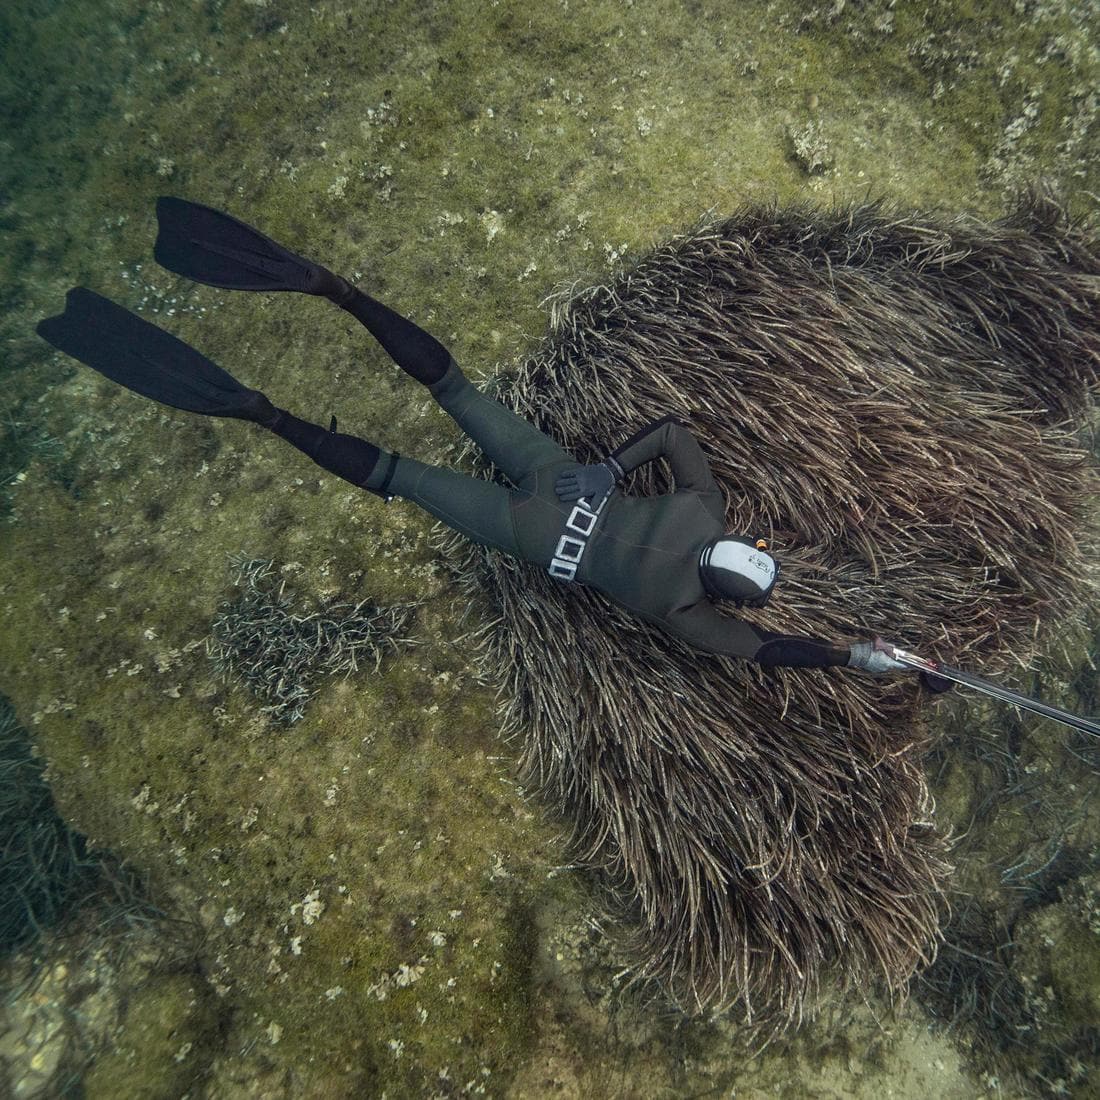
[895, 402]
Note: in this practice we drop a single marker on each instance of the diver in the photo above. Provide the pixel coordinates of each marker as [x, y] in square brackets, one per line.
[665, 558]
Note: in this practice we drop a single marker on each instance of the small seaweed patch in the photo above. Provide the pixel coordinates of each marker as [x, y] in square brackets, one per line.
[282, 654]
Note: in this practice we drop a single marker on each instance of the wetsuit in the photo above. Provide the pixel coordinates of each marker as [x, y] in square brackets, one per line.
[642, 552]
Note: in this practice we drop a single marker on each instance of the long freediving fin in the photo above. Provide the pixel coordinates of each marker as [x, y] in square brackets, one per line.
[148, 360]
[987, 687]
[213, 247]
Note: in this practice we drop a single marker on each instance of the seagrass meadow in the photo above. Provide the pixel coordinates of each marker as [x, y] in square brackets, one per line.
[375, 814]
[896, 404]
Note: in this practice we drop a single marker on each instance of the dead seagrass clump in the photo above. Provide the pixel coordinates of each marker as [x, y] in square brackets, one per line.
[892, 401]
[282, 653]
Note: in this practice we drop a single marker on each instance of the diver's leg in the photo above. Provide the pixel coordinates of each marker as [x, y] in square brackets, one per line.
[354, 459]
[215, 248]
[480, 510]
[512, 443]
[415, 351]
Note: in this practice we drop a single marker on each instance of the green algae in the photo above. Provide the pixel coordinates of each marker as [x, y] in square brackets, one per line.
[164, 1042]
[463, 161]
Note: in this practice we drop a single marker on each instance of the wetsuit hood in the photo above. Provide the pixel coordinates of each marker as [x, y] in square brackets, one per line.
[738, 569]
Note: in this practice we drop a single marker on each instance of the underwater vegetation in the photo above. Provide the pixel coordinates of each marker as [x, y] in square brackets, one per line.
[459, 160]
[916, 384]
[20, 443]
[47, 872]
[282, 653]
[1017, 977]
[45, 863]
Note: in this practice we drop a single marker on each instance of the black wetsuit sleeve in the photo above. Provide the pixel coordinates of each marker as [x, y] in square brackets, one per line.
[795, 651]
[703, 627]
[669, 439]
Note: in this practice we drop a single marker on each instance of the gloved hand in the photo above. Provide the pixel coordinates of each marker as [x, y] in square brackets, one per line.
[592, 482]
[864, 655]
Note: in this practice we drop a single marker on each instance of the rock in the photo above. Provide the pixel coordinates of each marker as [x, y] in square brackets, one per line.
[809, 148]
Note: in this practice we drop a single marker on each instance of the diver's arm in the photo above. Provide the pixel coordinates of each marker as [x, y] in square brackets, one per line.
[668, 438]
[702, 626]
[662, 438]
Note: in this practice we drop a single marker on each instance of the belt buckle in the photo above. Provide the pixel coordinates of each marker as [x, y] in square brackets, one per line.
[583, 513]
[564, 546]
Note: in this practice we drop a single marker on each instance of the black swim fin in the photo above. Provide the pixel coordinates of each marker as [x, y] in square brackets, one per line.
[215, 248]
[148, 360]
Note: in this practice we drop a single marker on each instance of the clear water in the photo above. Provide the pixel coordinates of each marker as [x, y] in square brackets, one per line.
[365, 905]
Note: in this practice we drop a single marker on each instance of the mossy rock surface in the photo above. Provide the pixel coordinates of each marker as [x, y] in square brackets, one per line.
[164, 1044]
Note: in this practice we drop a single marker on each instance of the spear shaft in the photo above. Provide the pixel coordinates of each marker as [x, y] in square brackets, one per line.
[1005, 695]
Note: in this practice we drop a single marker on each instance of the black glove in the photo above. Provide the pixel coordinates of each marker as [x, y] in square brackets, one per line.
[592, 482]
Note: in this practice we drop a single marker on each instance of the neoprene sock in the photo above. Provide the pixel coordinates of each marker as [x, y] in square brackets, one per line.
[347, 456]
[415, 351]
